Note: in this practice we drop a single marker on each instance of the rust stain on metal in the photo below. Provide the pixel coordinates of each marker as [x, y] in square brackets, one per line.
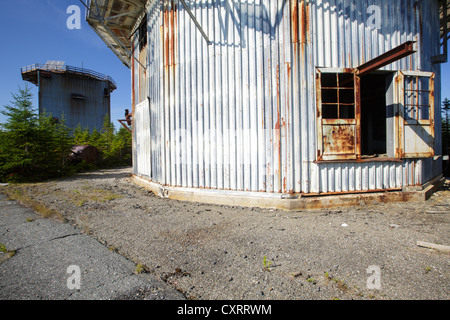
[172, 48]
[339, 139]
[299, 21]
[288, 87]
[288, 68]
[278, 133]
[277, 125]
[304, 18]
[166, 39]
[294, 21]
[169, 38]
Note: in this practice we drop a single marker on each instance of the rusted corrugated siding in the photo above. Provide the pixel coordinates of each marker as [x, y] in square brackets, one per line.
[240, 114]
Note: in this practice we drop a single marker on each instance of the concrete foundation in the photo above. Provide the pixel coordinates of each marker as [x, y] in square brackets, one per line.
[290, 202]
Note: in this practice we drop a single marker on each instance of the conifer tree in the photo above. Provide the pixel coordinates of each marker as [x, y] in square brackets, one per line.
[33, 147]
[18, 143]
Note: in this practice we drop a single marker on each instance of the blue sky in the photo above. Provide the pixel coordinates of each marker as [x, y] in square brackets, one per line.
[34, 31]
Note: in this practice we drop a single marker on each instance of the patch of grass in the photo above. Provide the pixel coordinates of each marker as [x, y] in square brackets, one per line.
[89, 194]
[16, 192]
[3, 249]
[266, 264]
[340, 284]
[139, 268]
[113, 249]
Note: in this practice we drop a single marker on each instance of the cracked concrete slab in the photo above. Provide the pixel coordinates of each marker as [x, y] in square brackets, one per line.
[43, 250]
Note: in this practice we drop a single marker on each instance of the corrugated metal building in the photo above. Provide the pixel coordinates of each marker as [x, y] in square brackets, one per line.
[78, 95]
[265, 103]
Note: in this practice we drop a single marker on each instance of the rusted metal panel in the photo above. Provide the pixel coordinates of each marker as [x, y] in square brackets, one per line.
[339, 140]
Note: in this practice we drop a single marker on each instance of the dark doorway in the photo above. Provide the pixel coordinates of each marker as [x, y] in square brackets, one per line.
[373, 115]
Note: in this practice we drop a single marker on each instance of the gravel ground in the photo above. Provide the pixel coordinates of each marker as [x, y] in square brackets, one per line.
[211, 252]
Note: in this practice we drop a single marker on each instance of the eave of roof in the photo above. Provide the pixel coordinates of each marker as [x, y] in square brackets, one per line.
[114, 21]
[30, 73]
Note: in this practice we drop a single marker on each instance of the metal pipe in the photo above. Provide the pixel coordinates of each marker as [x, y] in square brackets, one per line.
[199, 27]
[389, 57]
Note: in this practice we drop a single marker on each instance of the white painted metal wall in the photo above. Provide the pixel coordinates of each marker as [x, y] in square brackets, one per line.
[240, 114]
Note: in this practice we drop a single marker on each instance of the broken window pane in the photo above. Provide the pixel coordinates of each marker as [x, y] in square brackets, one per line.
[330, 111]
[329, 96]
[329, 80]
[346, 96]
[346, 80]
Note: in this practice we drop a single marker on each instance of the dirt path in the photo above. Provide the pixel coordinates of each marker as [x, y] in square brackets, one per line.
[222, 252]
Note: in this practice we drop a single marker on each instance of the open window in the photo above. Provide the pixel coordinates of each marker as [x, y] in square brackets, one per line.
[379, 115]
[366, 113]
[338, 115]
[416, 121]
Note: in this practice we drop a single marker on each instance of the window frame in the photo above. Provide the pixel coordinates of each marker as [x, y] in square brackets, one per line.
[324, 125]
[403, 128]
[425, 125]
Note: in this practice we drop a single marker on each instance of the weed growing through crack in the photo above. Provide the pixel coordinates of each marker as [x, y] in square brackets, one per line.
[90, 194]
[266, 264]
[340, 284]
[3, 249]
[139, 268]
[16, 192]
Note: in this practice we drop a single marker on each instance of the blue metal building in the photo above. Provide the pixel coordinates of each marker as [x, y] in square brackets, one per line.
[80, 96]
